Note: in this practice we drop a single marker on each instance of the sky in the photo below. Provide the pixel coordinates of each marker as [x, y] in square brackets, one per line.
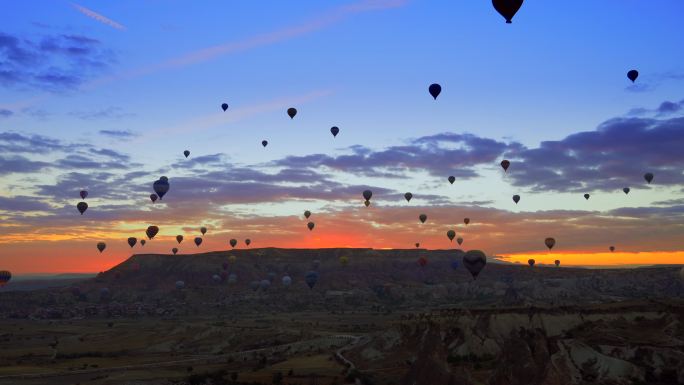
[106, 96]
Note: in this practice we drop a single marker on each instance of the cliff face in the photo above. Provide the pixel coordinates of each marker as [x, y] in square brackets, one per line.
[619, 345]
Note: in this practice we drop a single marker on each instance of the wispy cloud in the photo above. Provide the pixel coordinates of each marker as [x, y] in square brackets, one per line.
[94, 15]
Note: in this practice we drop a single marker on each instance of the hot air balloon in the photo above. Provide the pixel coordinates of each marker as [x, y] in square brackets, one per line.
[310, 225]
[216, 278]
[367, 194]
[557, 262]
[334, 130]
[264, 284]
[232, 258]
[224, 106]
[505, 164]
[153, 197]
[101, 246]
[633, 75]
[311, 278]
[408, 196]
[287, 281]
[344, 260]
[586, 196]
[459, 240]
[549, 242]
[143, 242]
[466, 221]
[649, 177]
[625, 190]
[516, 199]
[186, 153]
[161, 187]
[474, 261]
[531, 262]
[198, 241]
[452, 179]
[174, 250]
[435, 89]
[422, 261]
[151, 231]
[179, 238]
[233, 242]
[264, 143]
[203, 230]
[82, 207]
[232, 278]
[248, 241]
[83, 194]
[180, 285]
[454, 265]
[5, 276]
[612, 248]
[307, 214]
[132, 241]
[451, 234]
[291, 112]
[422, 218]
[366, 203]
[507, 8]
[417, 245]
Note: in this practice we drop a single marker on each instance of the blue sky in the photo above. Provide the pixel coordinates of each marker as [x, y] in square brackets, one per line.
[363, 66]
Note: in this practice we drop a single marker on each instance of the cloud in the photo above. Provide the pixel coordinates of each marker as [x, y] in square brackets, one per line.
[35, 144]
[23, 204]
[113, 113]
[5, 113]
[96, 16]
[20, 165]
[53, 63]
[118, 134]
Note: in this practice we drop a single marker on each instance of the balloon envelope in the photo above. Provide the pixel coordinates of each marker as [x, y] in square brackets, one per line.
[203, 230]
[186, 153]
[174, 250]
[516, 199]
[422, 218]
[549, 242]
[633, 75]
[474, 261]
[307, 214]
[101, 246]
[198, 241]
[625, 190]
[367, 194]
[153, 197]
[452, 179]
[5, 276]
[459, 240]
[586, 196]
[334, 131]
[82, 207]
[179, 238]
[84, 194]
[408, 196]
[161, 187]
[311, 278]
[132, 241]
[224, 106]
[649, 177]
[248, 241]
[557, 262]
[233, 242]
[310, 225]
[287, 281]
[143, 242]
[531, 262]
[264, 143]
[451, 234]
[151, 231]
[466, 221]
[291, 112]
[435, 89]
[507, 8]
[505, 164]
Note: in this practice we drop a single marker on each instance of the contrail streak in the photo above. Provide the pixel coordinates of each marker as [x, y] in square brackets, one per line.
[94, 15]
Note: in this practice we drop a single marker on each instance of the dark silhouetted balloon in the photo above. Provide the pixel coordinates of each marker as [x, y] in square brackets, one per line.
[287, 281]
[557, 262]
[198, 241]
[152, 231]
[307, 214]
[452, 179]
[84, 194]
[649, 177]
[505, 164]
[179, 238]
[101, 246]
[224, 106]
[507, 8]
[132, 241]
[633, 75]
[248, 241]
[417, 245]
[82, 207]
[531, 262]
[626, 190]
[366, 203]
[233, 242]
[612, 248]
[422, 218]
[291, 112]
[143, 242]
[310, 225]
[422, 261]
[186, 153]
[264, 143]
[161, 187]
[174, 250]
[153, 197]
[451, 234]
[586, 196]
[435, 89]
[459, 240]
[466, 221]
[180, 285]
[516, 199]
[311, 278]
[203, 230]
[408, 196]
[474, 261]
[334, 130]
[367, 194]
[549, 242]
[5, 277]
